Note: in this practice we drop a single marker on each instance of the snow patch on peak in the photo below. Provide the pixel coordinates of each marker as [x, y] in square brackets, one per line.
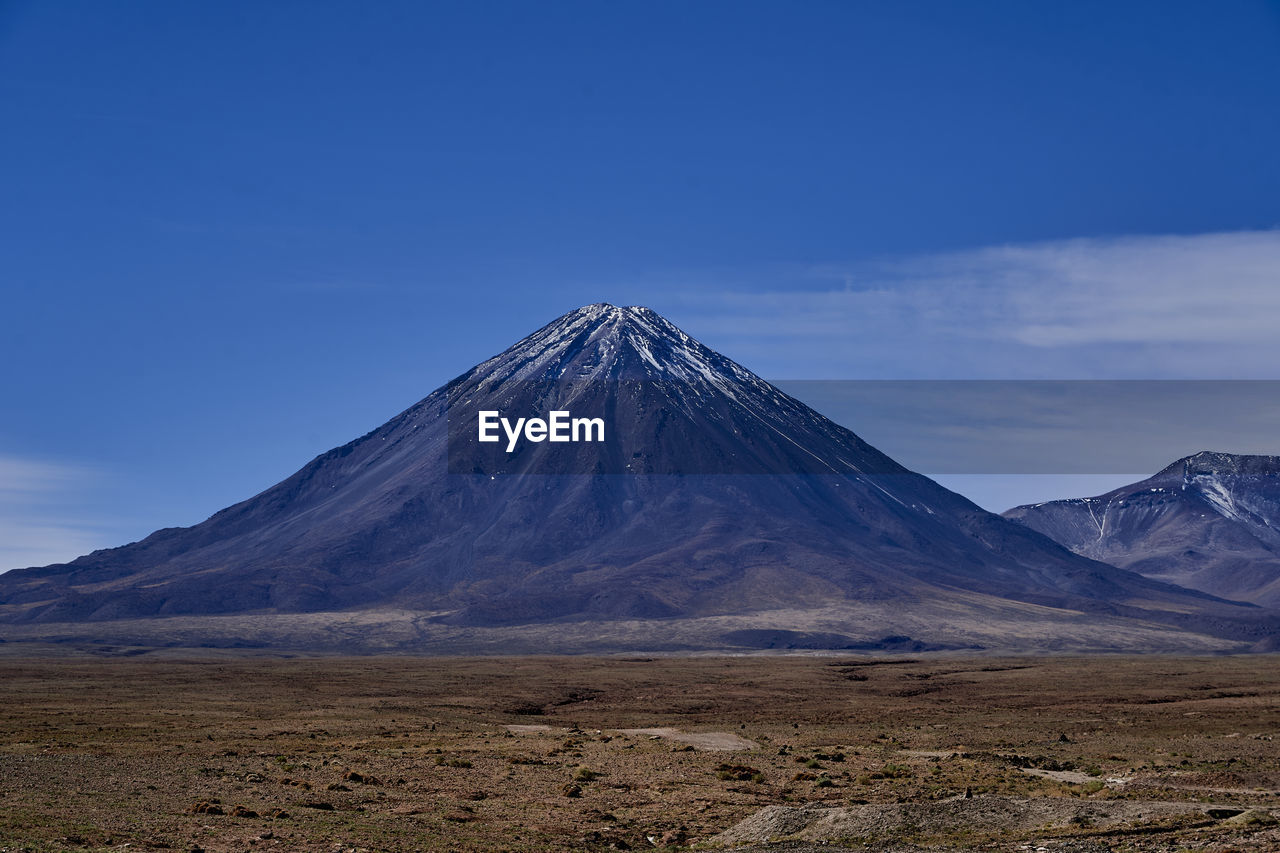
[1216, 493]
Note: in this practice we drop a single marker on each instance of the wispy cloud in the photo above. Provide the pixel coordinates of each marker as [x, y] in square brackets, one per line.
[1199, 306]
[1212, 288]
[41, 517]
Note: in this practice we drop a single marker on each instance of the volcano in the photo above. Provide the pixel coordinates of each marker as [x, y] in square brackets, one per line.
[714, 512]
[1210, 521]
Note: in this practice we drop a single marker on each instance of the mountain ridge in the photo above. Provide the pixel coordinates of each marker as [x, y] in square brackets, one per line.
[721, 497]
[1208, 521]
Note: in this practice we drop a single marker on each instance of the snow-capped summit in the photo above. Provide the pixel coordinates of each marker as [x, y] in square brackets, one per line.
[673, 405]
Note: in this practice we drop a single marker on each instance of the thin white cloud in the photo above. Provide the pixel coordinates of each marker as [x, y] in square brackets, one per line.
[1199, 306]
[1210, 288]
[42, 520]
[20, 479]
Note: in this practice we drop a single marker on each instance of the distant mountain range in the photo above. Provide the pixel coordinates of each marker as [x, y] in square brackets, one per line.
[1209, 522]
[716, 513]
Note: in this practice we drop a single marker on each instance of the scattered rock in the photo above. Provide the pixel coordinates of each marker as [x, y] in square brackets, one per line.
[571, 790]
[318, 804]
[978, 814]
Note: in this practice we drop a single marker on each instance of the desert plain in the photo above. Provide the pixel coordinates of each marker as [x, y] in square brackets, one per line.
[124, 749]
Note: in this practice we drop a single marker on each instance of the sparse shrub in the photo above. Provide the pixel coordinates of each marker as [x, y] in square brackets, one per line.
[585, 774]
[737, 772]
[824, 782]
[889, 771]
[441, 761]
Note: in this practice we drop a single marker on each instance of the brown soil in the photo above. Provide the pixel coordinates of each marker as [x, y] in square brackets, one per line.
[492, 754]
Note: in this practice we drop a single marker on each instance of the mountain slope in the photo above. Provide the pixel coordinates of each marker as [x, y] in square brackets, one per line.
[713, 495]
[1209, 522]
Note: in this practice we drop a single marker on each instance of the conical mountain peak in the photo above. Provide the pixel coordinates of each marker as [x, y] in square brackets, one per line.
[675, 404]
[434, 516]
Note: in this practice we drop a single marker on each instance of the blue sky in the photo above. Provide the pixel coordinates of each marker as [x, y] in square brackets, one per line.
[236, 234]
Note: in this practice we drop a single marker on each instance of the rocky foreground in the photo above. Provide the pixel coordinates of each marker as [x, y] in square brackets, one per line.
[538, 754]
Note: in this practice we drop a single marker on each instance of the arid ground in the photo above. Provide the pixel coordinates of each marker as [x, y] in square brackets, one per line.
[230, 753]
